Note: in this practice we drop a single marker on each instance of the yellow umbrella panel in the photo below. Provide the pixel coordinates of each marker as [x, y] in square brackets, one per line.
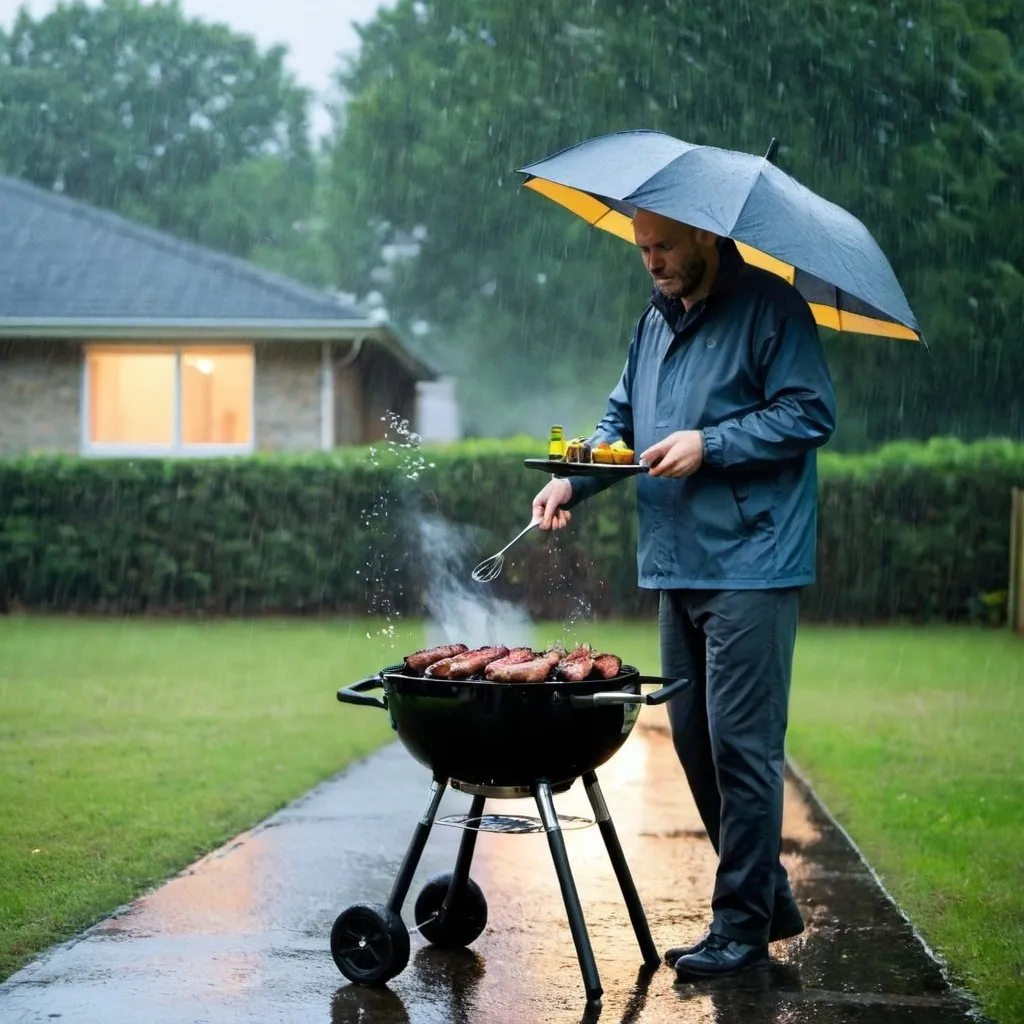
[599, 214]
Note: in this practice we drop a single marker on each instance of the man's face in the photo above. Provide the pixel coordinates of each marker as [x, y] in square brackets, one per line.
[670, 253]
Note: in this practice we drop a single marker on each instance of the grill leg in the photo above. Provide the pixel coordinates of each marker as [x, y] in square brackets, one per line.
[464, 859]
[578, 927]
[622, 873]
[403, 880]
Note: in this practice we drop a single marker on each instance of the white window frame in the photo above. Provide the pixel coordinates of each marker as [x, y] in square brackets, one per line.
[177, 448]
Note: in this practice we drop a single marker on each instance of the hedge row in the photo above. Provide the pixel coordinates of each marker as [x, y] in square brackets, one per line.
[910, 532]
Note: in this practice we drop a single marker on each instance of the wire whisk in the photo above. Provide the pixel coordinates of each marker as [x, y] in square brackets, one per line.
[490, 568]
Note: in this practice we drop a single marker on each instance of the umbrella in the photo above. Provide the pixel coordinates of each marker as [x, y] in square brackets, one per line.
[776, 222]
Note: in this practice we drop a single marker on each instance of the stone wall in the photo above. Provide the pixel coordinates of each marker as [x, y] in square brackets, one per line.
[41, 382]
[287, 411]
[40, 397]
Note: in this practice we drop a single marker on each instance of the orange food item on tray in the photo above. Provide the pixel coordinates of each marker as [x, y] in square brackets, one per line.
[621, 455]
[604, 453]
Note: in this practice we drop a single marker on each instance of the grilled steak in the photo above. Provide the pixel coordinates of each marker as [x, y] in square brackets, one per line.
[517, 656]
[607, 666]
[440, 669]
[574, 669]
[472, 662]
[582, 651]
[419, 661]
[501, 664]
[535, 670]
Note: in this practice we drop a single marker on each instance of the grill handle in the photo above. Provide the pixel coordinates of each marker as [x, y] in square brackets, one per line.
[669, 688]
[354, 694]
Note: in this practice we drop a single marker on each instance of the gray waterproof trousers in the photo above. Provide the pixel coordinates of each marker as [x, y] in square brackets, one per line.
[729, 730]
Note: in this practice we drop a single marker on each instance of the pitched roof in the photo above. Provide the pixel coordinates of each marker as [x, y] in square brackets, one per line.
[63, 259]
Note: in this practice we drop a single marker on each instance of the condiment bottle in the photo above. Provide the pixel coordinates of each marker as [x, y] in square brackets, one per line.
[556, 443]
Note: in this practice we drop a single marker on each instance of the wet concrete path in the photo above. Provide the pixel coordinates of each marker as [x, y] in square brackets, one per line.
[243, 935]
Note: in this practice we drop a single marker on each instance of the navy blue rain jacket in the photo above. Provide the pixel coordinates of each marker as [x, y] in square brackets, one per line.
[746, 367]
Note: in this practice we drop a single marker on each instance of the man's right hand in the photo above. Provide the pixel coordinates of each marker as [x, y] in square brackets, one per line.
[547, 505]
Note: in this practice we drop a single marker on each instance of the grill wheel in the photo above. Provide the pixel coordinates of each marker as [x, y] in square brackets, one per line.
[370, 943]
[464, 921]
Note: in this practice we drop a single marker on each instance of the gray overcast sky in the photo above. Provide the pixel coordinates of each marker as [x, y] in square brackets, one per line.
[315, 31]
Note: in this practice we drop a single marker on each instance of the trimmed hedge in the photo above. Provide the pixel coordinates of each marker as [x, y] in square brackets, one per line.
[912, 531]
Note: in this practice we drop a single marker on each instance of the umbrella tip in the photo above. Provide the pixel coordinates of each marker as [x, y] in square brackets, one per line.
[773, 148]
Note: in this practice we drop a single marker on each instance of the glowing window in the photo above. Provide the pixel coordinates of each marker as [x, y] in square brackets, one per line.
[216, 396]
[131, 397]
[187, 398]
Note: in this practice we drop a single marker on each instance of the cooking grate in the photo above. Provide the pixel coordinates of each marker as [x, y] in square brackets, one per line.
[512, 824]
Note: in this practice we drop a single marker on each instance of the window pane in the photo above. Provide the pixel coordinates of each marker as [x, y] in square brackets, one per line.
[216, 395]
[131, 396]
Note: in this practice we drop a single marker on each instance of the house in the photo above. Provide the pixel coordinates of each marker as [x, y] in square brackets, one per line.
[116, 339]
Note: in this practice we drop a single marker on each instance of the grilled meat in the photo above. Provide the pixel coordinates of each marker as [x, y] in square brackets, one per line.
[581, 652]
[607, 666]
[516, 656]
[472, 662]
[536, 670]
[577, 665]
[440, 669]
[419, 661]
[574, 669]
[501, 664]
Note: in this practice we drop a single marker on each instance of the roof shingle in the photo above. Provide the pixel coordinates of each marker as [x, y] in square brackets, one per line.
[63, 259]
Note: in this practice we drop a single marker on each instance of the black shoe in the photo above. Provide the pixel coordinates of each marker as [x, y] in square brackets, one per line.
[786, 923]
[719, 957]
[676, 952]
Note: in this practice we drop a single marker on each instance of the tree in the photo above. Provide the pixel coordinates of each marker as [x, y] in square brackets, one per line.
[175, 122]
[910, 114]
[924, 126]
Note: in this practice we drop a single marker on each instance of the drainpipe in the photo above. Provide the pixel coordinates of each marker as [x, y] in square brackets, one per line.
[326, 398]
[357, 347]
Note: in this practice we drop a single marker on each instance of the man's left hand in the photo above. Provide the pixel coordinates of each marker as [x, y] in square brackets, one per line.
[678, 455]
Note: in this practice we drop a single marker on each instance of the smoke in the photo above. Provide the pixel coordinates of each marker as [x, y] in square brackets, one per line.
[458, 608]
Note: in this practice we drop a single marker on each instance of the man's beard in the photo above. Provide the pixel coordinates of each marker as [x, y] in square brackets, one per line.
[690, 277]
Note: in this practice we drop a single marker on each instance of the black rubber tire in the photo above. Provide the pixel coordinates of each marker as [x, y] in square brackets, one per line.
[370, 943]
[463, 923]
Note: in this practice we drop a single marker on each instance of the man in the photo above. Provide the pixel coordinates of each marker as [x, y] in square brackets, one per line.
[725, 395]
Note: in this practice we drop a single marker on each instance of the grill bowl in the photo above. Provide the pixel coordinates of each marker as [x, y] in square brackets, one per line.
[510, 735]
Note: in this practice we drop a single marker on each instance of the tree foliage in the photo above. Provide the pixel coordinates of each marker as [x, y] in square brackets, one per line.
[910, 114]
[179, 123]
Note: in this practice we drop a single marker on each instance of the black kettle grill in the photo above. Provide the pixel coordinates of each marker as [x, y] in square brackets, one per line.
[503, 741]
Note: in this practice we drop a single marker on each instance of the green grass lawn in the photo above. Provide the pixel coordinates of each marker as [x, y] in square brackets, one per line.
[129, 749]
[914, 739]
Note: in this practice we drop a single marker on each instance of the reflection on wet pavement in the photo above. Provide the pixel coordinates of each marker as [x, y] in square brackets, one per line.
[243, 935]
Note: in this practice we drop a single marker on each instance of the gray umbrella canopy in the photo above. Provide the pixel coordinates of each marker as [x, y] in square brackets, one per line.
[776, 222]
